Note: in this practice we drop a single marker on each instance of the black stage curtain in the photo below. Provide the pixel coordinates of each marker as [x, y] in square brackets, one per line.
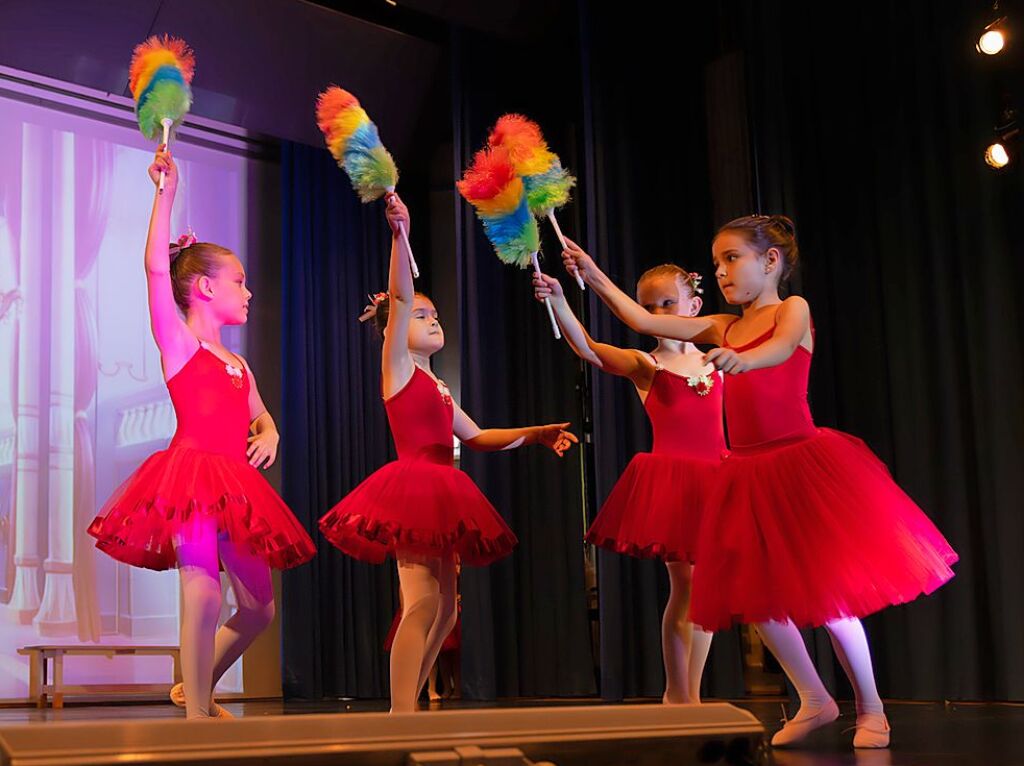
[336, 610]
[525, 624]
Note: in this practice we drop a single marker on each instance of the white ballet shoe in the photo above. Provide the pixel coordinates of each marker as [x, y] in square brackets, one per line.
[872, 731]
[177, 696]
[797, 729]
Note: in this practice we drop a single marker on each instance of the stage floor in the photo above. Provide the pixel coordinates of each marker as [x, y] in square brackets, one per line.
[925, 734]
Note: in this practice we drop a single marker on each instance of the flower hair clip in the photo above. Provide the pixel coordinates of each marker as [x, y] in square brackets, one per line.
[695, 279]
[371, 309]
[185, 240]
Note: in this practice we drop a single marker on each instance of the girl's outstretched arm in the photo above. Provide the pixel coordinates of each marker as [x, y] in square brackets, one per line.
[172, 336]
[396, 363]
[553, 436]
[703, 329]
[625, 362]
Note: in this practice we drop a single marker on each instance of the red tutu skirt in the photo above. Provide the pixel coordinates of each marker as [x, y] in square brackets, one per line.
[812, 530]
[138, 523]
[655, 508]
[420, 507]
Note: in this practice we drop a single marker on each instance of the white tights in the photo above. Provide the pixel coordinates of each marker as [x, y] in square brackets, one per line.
[206, 652]
[429, 612]
[684, 646]
[851, 648]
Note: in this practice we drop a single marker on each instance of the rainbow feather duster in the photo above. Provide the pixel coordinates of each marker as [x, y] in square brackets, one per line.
[498, 195]
[159, 77]
[355, 144]
[494, 189]
[524, 142]
[549, 190]
[548, 185]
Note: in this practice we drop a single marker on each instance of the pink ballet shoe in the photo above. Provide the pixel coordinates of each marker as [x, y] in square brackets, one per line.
[177, 696]
[872, 731]
[797, 729]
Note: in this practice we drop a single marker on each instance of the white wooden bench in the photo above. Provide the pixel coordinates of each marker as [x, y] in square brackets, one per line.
[46, 671]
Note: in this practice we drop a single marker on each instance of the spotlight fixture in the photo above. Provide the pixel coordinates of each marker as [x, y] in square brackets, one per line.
[993, 38]
[996, 156]
[1002, 150]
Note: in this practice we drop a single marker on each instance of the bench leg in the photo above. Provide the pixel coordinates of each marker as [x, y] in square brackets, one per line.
[35, 679]
[58, 681]
[177, 667]
[44, 675]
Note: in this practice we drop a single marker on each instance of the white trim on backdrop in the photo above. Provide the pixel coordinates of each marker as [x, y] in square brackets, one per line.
[120, 110]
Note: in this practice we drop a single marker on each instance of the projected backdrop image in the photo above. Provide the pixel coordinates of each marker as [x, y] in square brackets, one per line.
[82, 398]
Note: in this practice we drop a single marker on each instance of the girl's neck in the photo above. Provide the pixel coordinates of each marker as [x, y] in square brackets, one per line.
[205, 327]
[768, 297]
[671, 347]
[422, 361]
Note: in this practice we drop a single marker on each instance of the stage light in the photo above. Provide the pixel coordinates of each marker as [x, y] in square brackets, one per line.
[1002, 151]
[993, 38]
[996, 156]
[991, 42]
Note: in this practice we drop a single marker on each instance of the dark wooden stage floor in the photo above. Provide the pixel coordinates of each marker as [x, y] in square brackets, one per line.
[925, 734]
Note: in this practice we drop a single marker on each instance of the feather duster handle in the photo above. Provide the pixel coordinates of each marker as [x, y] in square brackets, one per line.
[547, 301]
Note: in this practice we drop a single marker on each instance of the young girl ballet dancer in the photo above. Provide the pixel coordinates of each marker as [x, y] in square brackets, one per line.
[808, 527]
[419, 508]
[654, 509]
[202, 502]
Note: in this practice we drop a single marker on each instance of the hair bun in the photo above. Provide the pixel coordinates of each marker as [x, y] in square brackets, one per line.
[785, 223]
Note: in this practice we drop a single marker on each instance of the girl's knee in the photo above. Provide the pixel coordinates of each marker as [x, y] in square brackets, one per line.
[258, 615]
[203, 599]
